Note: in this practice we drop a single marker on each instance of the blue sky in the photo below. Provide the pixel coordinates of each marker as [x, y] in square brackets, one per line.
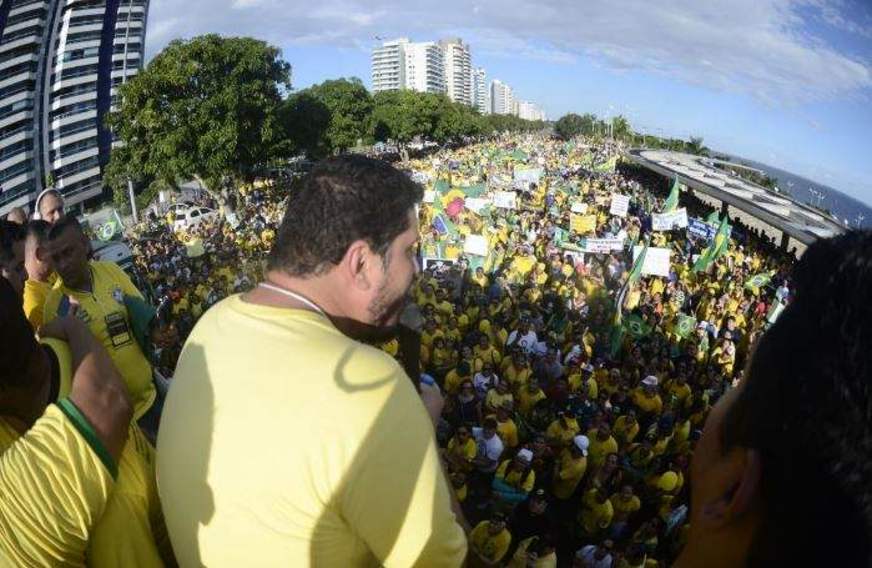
[785, 82]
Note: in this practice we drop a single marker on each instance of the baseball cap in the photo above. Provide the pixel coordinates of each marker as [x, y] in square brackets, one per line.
[525, 456]
[582, 443]
[650, 381]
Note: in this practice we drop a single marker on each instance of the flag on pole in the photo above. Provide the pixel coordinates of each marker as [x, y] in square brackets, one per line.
[672, 201]
[713, 218]
[617, 332]
[716, 248]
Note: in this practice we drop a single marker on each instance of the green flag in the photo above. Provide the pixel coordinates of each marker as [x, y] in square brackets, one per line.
[684, 325]
[716, 248]
[441, 186]
[616, 336]
[672, 201]
[636, 272]
[112, 227]
[713, 218]
[758, 280]
[476, 190]
[636, 326]
[608, 166]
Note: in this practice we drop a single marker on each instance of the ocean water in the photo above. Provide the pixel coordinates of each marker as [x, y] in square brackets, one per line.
[843, 206]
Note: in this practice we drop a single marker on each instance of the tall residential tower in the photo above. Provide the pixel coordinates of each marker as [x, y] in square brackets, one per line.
[61, 62]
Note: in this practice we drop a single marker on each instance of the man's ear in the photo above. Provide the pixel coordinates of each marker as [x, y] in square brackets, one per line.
[736, 482]
[357, 263]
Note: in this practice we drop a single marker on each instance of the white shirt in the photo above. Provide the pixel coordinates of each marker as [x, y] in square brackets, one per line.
[526, 342]
[491, 448]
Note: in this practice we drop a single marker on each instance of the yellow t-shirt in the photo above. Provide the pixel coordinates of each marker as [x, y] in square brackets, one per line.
[568, 474]
[34, 301]
[600, 449]
[105, 314]
[491, 548]
[595, 515]
[55, 481]
[353, 479]
[523, 481]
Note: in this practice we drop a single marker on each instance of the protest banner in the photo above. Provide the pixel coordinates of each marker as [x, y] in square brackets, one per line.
[437, 263]
[476, 204]
[620, 204]
[599, 246]
[582, 223]
[676, 219]
[580, 208]
[656, 260]
[505, 200]
[475, 244]
[429, 196]
[701, 229]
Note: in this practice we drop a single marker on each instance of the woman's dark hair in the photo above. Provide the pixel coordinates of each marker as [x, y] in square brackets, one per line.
[342, 200]
[17, 344]
[807, 409]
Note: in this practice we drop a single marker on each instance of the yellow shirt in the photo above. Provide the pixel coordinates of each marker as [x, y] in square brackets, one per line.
[562, 434]
[355, 477]
[595, 515]
[508, 432]
[569, 472]
[646, 403]
[527, 400]
[520, 480]
[34, 301]
[625, 432]
[491, 548]
[105, 314]
[600, 449]
[55, 481]
[519, 559]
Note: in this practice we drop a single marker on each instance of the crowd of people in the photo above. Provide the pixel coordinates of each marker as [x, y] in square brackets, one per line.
[562, 442]
[576, 385]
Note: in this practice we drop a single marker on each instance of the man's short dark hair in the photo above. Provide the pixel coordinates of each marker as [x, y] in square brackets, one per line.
[38, 229]
[342, 200]
[807, 409]
[63, 224]
[10, 233]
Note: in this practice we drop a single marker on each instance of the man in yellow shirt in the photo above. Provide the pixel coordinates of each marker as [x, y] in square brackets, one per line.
[601, 444]
[39, 274]
[596, 513]
[98, 290]
[58, 462]
[489, 541]
[570, 468]
[356, 477]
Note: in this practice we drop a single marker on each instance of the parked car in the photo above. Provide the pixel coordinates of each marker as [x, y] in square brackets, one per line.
[193, 216]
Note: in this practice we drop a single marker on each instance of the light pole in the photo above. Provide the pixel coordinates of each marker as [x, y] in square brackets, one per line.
[132, 200]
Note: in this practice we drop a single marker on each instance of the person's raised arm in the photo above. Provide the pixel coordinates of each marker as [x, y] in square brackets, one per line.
[97, 390]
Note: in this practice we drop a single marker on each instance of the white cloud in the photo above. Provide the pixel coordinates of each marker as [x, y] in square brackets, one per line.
[760, 47]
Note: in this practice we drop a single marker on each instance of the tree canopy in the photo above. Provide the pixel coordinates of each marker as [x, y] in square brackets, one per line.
[203, 108]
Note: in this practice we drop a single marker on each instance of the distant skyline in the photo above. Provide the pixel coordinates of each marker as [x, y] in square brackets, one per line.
[783, 82]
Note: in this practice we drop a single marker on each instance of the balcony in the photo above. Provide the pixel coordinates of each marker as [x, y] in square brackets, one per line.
[18, 60]
[70, 138]
[24, 155]
[30, 39]
[77, 157]
[35, 21]
[70, 100]
[63, 84]
[72, 119]
[23, 8]
[78, 176]
[18, 78]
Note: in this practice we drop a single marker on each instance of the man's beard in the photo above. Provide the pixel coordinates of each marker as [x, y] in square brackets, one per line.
[384, 317]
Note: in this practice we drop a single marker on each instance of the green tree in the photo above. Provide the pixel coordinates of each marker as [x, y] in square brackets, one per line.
[695, 146]
[621, 128]
[306, 119]
[206, 109]
[569, 126]
[349, 105]
[402, 116]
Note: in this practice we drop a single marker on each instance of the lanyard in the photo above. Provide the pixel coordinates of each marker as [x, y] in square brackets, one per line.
[294, 295]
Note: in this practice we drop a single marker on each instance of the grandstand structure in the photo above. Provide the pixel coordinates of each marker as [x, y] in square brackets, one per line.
[793, 224]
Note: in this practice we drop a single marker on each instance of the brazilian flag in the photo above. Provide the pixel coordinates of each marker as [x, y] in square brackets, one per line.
[758, 281]
[476, 190]
[684, 325]
[636, 326]
[716, 248]
[441, 186]
[672, 201]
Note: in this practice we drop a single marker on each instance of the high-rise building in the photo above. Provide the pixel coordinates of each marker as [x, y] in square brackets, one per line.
[425, 67]
[502, 98]
[458, 70]
[480, 94]
[61, 62]
[529, 111]
[389, 66]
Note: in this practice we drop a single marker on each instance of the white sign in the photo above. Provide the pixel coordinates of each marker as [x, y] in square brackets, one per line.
[529, 175]
[505, 200]
[656, 260]
[476, 204]
[668, 221]
[429, 196]
[598, 246]
[620, 204]
[579, 208]
[475, 244]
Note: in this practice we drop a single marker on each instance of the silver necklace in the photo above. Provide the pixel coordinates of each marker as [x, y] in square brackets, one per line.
[294, 295]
